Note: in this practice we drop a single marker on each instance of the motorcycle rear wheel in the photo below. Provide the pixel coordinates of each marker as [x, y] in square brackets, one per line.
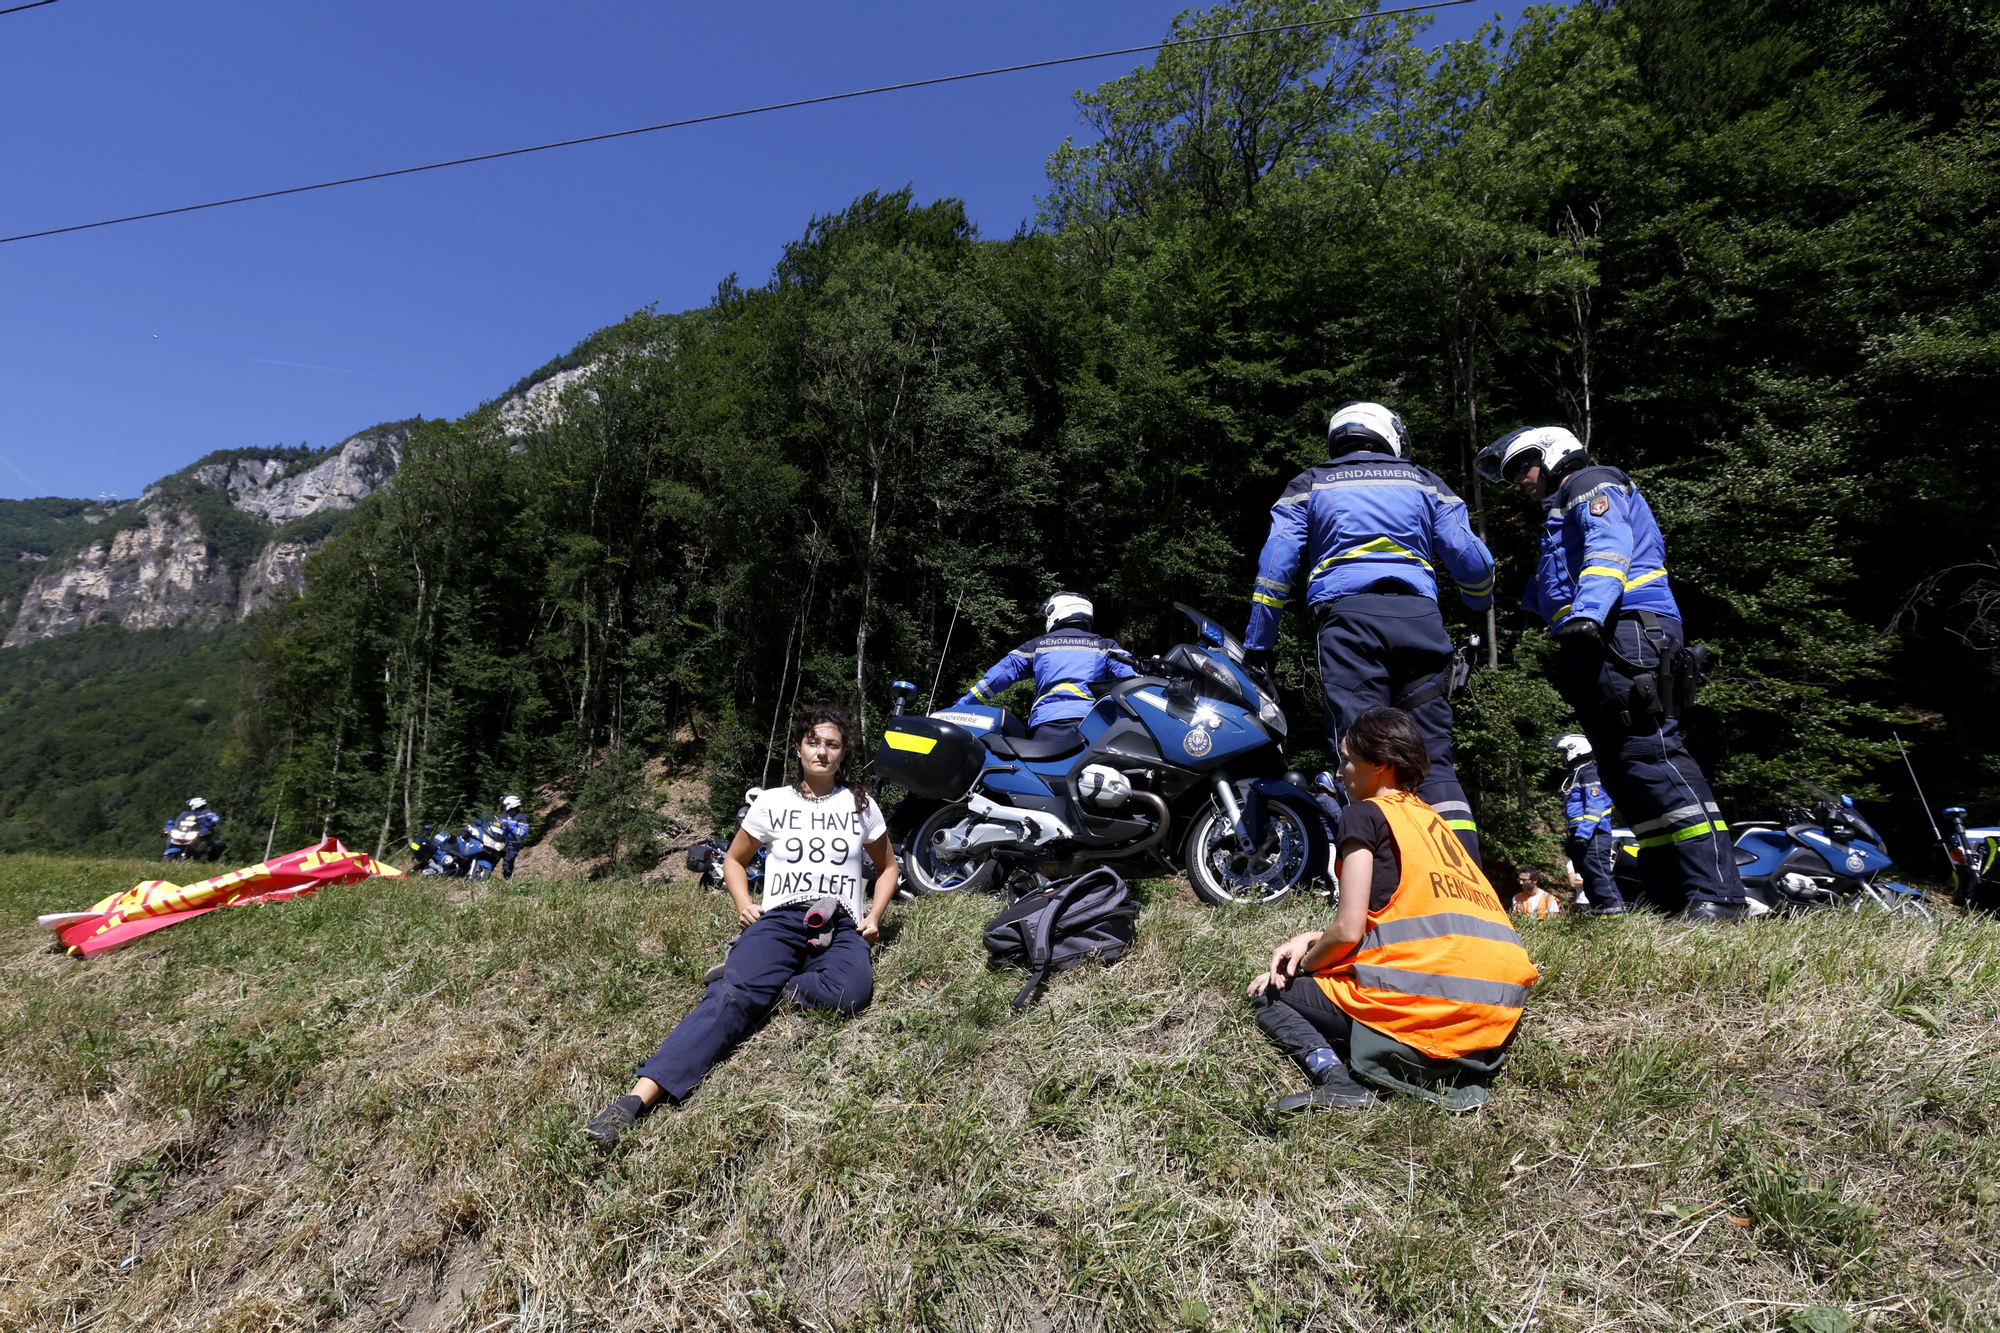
[1221, 876]
[927, 874]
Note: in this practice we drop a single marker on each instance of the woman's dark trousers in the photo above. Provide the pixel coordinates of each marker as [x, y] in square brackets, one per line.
[772, 958]
[1302, 1020]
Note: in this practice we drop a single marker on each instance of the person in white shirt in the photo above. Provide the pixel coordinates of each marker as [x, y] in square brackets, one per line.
[808, 938]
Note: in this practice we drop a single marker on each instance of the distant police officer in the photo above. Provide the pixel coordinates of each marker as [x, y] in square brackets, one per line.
[514, 826]
[1366, 530]
[1589, 843]
[1601, 583]
[1065, 661]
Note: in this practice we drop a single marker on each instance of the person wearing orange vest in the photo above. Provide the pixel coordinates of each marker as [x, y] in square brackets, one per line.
[1419, 980]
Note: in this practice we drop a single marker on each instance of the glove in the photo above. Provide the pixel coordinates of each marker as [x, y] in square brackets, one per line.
[1258, 659]
[1579, 632]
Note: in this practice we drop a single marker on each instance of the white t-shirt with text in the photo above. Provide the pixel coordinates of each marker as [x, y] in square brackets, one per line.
[813, 845]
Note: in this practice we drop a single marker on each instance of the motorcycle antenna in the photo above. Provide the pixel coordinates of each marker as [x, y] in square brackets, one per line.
[1920, 793]
[947, 650]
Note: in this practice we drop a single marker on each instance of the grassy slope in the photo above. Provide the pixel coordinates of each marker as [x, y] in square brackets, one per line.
[357, 1112]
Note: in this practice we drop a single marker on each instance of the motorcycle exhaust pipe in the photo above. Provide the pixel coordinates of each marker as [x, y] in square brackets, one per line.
[1152, 839]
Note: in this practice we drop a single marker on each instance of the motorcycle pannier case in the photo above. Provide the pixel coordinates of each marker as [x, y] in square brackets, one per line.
[929, 758]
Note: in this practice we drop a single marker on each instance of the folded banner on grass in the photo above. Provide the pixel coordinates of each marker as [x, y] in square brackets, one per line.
[156, 904]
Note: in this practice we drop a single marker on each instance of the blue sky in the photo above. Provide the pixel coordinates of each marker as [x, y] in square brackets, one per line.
[127, 352]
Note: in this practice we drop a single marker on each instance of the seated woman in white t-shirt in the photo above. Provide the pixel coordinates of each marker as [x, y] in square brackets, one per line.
[809, 937]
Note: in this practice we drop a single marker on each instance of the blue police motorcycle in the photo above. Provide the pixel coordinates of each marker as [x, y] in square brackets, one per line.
[450, 853]
[1823, 855]
[1180, 765]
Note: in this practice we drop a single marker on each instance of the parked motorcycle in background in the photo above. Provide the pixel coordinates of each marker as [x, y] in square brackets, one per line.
[448, 853]
[1193, 742]
[1819, 856]
[1975, 863]
[705, 857]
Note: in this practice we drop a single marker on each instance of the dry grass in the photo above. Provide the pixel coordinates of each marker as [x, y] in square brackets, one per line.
[357, 1112]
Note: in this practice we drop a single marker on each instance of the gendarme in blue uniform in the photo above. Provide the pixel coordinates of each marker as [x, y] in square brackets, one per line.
[1063, 663]
[1591, 847]
[1360, 519]
[1367, 532]
[1603, 559]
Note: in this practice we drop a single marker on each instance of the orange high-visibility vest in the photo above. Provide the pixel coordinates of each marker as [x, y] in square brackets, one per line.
[1440, 968]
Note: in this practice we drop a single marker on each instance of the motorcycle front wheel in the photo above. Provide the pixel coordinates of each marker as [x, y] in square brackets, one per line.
[928, 873]
[1223, 875]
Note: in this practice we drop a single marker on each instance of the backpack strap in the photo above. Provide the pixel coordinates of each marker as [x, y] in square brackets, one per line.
[1038, 950]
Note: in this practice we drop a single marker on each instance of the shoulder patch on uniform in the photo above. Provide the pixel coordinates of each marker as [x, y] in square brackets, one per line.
[1599, 506]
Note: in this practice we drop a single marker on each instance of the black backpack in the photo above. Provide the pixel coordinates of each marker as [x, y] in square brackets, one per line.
[1058, 926]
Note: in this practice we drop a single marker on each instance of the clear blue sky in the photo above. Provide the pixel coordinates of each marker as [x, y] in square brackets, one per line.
[126, 353]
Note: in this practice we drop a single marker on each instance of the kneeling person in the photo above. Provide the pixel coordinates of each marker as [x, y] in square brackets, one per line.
[1418, 981]
[809, 937]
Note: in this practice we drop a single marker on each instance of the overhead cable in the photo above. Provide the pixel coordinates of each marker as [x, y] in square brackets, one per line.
[727, 115]
[32, 4]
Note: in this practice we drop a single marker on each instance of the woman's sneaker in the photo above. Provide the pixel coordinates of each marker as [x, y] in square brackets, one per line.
[1336, 1089]
[614, 1120]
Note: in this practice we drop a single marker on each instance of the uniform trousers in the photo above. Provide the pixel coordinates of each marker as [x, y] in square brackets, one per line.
[1302, 1019]
[771, 959]
[1685, 855]
[1373, 647]
[1595, 859]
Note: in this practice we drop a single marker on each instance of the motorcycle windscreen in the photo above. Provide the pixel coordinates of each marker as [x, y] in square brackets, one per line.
[929, 758]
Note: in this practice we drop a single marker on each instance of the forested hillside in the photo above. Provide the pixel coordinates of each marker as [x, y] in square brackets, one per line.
[1746, 248]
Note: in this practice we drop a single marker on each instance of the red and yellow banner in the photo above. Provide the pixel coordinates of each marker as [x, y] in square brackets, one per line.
[155, 904]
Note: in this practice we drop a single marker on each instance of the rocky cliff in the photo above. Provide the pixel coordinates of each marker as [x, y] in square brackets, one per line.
[176, 557]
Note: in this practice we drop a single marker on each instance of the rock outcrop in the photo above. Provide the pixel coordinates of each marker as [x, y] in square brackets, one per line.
[342, 481]
[164, 570]
[540, 405]
[157, 574]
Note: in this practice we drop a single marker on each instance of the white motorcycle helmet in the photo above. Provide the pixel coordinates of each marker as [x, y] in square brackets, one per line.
[1368, 426]
[509, 804]
[196, 803]
[1553, 447]
[1065, 606]
[1575, 748]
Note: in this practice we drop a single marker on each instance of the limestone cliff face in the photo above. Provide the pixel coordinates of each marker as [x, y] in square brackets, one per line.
[354, 472]
[166, 570]
[277, 573]
[158, 574]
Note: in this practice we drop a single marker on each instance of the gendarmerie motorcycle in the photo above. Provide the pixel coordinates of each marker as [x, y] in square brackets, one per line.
[1809, 858]
[1178, 766]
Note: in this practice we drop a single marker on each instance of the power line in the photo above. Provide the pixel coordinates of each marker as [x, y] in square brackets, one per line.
[32, 4]
[721, 115]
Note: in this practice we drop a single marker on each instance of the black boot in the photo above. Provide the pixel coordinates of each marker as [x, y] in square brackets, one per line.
[614, 1120]
[1705, 910]
[1334, 1087]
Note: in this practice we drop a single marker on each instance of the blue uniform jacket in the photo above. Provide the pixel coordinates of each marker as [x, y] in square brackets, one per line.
[1064, 662]
[1601, 552]
[1357, 520]
[1585, 804]
[515, 829]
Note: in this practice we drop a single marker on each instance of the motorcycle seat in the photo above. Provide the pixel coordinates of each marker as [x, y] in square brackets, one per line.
[1025, 747]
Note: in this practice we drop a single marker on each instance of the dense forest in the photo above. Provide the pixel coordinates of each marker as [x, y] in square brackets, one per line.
[1746, 249]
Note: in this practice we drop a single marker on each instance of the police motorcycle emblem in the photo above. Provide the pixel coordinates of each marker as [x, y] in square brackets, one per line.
[1197, 742]
[1600, 506]
[1856, 862]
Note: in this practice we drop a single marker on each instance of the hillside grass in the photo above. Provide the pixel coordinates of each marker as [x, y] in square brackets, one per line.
[358, 1112]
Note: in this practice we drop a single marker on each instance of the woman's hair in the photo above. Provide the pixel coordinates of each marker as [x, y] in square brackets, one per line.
[823, 715]
[1390, 736]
